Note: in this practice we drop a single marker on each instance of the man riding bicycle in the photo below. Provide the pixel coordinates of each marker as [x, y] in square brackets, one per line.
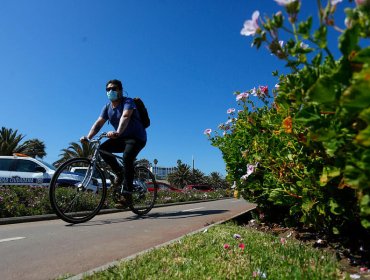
[129, 136]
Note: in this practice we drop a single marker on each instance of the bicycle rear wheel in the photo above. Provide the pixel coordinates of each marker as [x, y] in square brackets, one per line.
[77, 192]
[144, 192]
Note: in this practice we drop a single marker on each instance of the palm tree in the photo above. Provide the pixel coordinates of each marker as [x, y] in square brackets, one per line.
[198, 177]
[34, 148]
[10, 142]
[143, 161]
[75, 150]
[181, 177]
[216, 180]
[155, 161]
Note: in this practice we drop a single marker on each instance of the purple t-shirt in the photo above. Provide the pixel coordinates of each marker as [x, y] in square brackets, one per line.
[134, 129]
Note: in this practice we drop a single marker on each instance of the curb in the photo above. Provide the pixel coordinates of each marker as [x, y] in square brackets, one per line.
[46, 217]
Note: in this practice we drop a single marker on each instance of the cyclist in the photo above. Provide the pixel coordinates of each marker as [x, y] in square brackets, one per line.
[128, 137]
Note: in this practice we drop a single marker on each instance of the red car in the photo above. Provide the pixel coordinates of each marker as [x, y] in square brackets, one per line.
[163, 187]
[199, 187]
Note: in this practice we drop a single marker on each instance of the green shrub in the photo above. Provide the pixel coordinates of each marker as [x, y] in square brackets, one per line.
[307, 153]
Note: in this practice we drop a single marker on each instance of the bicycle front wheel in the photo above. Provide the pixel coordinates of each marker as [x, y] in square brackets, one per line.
[144, 192]
[77, 190]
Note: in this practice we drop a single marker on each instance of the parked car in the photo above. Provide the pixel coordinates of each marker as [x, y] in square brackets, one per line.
[82, 170]
[163, 187]
[199, 187]
[22, 170]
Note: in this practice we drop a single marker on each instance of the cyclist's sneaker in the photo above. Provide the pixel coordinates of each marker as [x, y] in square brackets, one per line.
[118, 180]
[124, 202]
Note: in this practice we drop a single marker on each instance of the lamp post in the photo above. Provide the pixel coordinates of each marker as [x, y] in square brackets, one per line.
[155, 161]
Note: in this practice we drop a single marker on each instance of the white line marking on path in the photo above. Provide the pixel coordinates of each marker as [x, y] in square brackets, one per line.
[11, 239]
[188, 210]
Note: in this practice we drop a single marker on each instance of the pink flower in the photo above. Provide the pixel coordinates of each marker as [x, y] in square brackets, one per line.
[264, 89]
[335, 2]
[253, 91]
[361, 2]
[231, 110]
[251, 26]
[242, 96]
[250, 169]
[237, 236]
[207, 131]
[242, 246]
[303, 45]
[348, 23]
[226, 246]
[363, 269]
[285, 2]
[282, 240]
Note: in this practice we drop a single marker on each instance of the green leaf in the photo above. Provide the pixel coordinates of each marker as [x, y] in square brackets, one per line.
[304, 28]
[323, 91]
[316, 61]
[348, 41]
[363, 138]
[307, 205]
[363, 56]
[307, 115]
[328, 173]
[357, 96]
[320, 36]
[365, 115]
[365, 223]
[335, 207]
[365, 205]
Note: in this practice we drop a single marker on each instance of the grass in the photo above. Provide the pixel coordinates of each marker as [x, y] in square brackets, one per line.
[228, 251]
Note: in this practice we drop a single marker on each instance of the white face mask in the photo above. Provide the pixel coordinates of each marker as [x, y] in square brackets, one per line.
[112, 95]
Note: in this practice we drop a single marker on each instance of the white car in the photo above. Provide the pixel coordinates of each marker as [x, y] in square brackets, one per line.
[82, 170]
[23, 170]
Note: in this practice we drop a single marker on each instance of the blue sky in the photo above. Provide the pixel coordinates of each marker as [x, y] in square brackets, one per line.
[183, 58]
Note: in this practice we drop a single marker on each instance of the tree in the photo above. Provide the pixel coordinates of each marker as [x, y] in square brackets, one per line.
[10, 142]
[75, 150]
[216, 180]
[181, 177]
[35, 148]
[143, 162]
[197, 177]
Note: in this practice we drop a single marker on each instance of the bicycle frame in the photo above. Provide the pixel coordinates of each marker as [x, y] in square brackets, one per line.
[96, 158]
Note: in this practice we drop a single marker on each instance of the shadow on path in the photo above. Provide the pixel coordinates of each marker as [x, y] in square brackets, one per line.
[168, 215]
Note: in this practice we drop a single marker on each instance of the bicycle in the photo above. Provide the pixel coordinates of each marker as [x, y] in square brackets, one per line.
[77, 197]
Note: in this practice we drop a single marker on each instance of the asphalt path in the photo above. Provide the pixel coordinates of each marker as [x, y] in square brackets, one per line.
[50, 249]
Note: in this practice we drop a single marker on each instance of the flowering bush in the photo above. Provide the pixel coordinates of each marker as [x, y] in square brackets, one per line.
[306, 151]
[18, 201]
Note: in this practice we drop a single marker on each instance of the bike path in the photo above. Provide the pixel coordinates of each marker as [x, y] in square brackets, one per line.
[49, 249]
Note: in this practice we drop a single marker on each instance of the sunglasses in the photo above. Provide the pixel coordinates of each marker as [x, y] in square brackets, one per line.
[111, 88]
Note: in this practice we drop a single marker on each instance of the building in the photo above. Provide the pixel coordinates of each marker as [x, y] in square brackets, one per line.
[161, 173]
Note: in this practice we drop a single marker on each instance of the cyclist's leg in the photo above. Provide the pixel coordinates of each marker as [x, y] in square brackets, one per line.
[132, 149]
[113, 146]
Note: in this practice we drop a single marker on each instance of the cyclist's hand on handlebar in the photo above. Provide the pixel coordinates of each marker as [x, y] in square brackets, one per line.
[84, 139]
[112, 134]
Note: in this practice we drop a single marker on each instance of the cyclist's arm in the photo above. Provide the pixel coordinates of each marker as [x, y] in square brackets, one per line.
[96, 127]
[124, 120]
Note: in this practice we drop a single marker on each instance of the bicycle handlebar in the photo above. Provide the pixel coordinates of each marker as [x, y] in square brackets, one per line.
[96, 139]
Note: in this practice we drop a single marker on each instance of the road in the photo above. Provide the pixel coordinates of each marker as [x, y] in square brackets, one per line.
[49, 249]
